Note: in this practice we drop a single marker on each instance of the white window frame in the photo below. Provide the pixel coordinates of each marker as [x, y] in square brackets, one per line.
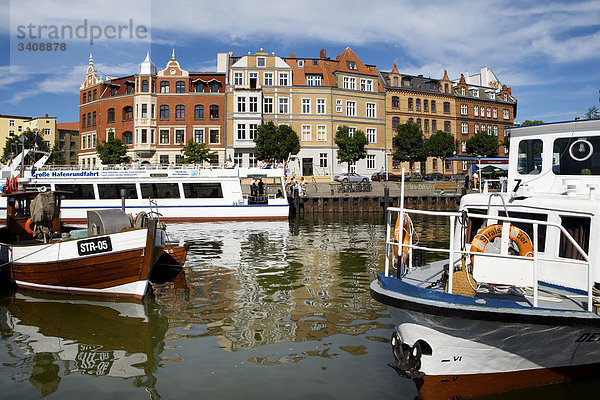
[252, 129]
[495, 113]
[196, 130]
[268, 105]
[253, 104]
[175, 136]
[366, 85]
[306, 105]
[350, 108]
[321, 109]
[218, 135]
[313, 80]
[268, 79]
[482, 111]
[371, 109]
[241, 104]
[284, 79]
[11, 122]
[371, 161]
[371, 135]
[284, 105]
[489, 112]
[495, 130]
[349, 82]
[321, 133]
[238, 78]
[505, 114]
[160, 137]
[463, 109]
[476, 111]
[306, 133]
[261, 62]
[323, 160]
[464, 128]
[241, 132]
[300, 63]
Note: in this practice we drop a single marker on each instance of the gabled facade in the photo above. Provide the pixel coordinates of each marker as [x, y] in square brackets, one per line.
[155, 113]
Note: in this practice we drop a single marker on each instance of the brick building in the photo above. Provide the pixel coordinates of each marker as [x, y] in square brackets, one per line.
[68, 141]
[155, 113]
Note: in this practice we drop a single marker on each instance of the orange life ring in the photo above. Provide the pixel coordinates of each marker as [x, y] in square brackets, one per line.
[28, 227]
[405, 237]
[489, 233]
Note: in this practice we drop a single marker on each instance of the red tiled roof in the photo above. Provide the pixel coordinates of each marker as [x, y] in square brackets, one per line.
[70, 126]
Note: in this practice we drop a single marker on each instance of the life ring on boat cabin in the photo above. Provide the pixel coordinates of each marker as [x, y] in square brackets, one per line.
[405, 237]
[29, 226]
[489, 233]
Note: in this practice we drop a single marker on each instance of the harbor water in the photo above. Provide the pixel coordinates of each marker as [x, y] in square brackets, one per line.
[267, 310]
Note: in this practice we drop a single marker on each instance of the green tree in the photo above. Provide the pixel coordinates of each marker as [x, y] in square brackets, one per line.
[57, 157]
[350, 148]
[112, 151]
[275, 142]
[13, 145]
[528, 122]
[196, 153]
[592, 113]
[441, 145]
[409, 144]
[482, 144]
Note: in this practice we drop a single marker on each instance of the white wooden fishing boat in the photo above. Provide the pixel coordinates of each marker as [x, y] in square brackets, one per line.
[519, 308]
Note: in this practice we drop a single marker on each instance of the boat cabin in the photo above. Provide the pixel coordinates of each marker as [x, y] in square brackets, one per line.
[19, 223]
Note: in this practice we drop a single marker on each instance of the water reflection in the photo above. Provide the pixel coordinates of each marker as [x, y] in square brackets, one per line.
[53, 336]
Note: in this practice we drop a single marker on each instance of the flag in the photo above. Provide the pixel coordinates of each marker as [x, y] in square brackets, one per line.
[7, 186]
[10, 162]
[33, 170]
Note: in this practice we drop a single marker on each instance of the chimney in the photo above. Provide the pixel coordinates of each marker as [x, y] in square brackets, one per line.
[292, 55]
[46, 115]
[323, 54]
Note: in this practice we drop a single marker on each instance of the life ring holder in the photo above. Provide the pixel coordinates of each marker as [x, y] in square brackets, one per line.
[582, 141]
[491, 232]
[405, 238]
[28, 226]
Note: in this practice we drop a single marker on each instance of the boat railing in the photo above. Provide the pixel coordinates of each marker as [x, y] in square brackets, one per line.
[455, 255]
[134, 166]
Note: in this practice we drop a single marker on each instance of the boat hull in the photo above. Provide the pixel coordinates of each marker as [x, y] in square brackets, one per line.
[123, 271]
[463, 357]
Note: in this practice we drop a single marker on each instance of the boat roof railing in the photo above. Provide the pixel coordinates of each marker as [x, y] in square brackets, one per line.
[454, 253]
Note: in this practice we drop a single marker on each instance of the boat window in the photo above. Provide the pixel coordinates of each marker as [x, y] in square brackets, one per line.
[579, 229]
[530, 157]
[576, 156]
[78, 191]
[528, 228]
[474, 224]
[113, 190]
[202, 190]
[160, 190]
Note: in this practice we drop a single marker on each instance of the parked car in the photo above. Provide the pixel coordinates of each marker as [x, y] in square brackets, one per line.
[414, 177]
[350, 177]
[386, 176]
[435, 176]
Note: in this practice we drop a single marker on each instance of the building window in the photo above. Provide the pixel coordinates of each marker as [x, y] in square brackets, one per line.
[127, 113]
[305, 106]
[351, 65]
[366, 85]
[495, 113]
[179, 136]
[505, 114]
[351, 131]
[419, 122]
[198, 111]
[11, 132]
[395, 122]
[163, 136]
[238, 78]
[283, 79]
[370, 161]
[283, 105]
[268, 105]
[321, 133]
[198, 135]
[371, 135]
[252, 128]
[320, 106]
[164, 87]
[495, 130]
[349, 83]
[82, 122]
[180, 87]
[89, 119]
[241, 104]
[489, 112]
[144, 85]
[395, 101]
[237, 159]
[163, 159]
[410, 103]
[489, 129]
[462, 91]
[433, 106]
[253, 104]
[371, 113]
[214, 87]
[433, 125]
[144, 136]
[313, 80]
[128, 137]
[425, 105]
[476, 111]
[351, 108]
[434, 163]
[11, 122]
[446, 107]
[164, 112]
[144, 110]
[464, 128]
[214, 111]
[268, 79]
[463, 109]
[128, 88]
[261, 61]
[214, 136]
[199, 87]
[476, 130]
[323, 160]
[418, 104]
[447, 126]
[306, 133]
[180, 111]
[95, 93]
[251, 160]
[113, 91]
[110, 116]
[94, 118]
[241, 131]
[426, 125]
[84, 101]
[482, 113]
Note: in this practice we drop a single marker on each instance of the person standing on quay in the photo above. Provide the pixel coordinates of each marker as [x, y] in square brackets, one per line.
[261, 187]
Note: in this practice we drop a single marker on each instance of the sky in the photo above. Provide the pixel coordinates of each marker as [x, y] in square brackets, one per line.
[547, 52]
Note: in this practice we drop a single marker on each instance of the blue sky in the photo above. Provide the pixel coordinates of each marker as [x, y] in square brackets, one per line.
[547, 52]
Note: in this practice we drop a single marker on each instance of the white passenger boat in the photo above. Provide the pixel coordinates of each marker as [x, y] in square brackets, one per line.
[518, 309]
[183, 193]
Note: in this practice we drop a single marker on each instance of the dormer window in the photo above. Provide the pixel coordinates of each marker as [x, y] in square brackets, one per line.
[300, 63]
[351, 65]
[474, 92]
[313, 80]
[462, 91]
[261, 61]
